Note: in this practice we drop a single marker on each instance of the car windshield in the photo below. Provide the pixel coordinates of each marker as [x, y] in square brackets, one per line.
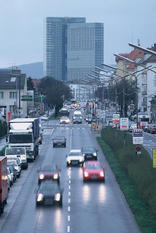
[93, 166]
[12, 162]
[48, 169]
[75, 153]
[89, 149]
[48, 187]
[15, 151]
[64, 118]
[59, 138]
[21, 138]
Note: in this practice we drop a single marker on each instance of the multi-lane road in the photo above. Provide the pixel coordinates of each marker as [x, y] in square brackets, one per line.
[92, 207]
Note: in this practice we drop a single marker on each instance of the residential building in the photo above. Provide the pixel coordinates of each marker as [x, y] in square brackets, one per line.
[13, 86]
[146, 82]
[72, 47]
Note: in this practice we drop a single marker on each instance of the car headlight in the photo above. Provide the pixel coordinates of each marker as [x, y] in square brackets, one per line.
[57, 197]
[81, 159]
[23, 157]
[41, 176]
[86, 174]
[102, 174]
[55, 176]
[69, 161]
[83, 155]
[94, 154]
[16, 167]
[40, 197]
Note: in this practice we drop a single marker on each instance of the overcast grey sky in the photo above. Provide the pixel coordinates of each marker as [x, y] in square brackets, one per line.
[21, 25]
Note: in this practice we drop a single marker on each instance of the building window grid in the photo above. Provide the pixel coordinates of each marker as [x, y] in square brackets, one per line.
[12, 95]
[1, 95]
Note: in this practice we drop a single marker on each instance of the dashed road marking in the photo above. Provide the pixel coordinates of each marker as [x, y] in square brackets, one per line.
[69, 208]
[68, 228]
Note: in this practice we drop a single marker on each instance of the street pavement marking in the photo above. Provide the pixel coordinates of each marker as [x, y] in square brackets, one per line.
[68, 218]
[68, 228]
[69, 208]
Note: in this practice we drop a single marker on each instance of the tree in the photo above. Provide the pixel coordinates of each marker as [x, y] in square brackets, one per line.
[55, 92]
[30, 85]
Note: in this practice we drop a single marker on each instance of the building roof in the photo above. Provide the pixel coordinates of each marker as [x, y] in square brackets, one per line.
[133, 55]
[11, 81]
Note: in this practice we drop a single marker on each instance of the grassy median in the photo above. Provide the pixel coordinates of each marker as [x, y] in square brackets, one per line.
[131, 176]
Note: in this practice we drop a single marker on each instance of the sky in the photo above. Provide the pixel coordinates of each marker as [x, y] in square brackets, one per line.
[22, 23]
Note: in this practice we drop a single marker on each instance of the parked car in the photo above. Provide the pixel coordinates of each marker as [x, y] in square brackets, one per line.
[75, 157]
[16, 165]
[64, 120]
[59, 141]
[93, 170]
[49, 193]
[10, 176]
[17, 152]
[49, 172]
[89, 153]
[13, 171]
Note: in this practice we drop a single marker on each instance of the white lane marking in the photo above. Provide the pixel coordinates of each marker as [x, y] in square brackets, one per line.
[69, 193]
[69, 181]
[69, 209]
[68, 218]
[69, 200]
[68, 228]
[69, 187]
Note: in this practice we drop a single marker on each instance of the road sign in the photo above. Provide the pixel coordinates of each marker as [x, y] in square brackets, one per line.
[154, 158]
[138, 136]
[138, 148]
[26, 98]
[124, 123]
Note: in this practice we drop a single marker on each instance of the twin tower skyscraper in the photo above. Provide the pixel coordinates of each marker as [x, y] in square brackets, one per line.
[72, 47]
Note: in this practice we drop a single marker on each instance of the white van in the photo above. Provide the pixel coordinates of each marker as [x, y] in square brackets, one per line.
[77, 114]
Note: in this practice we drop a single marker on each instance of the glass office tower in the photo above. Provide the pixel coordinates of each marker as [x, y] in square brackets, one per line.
[72, 47]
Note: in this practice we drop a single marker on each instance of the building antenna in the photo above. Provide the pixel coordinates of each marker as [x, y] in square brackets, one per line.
[138, 42]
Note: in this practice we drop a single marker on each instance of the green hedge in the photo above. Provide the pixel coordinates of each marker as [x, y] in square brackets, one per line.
[141, 211]
[3, 128]
[138, 167]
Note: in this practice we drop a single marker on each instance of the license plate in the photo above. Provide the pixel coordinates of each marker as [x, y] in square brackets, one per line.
[74, 162]
[48, 202]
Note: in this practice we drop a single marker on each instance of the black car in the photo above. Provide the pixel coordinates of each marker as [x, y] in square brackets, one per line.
[59, 141]
[49, 172]
[77, 120]
[89, 153]
[49, 193]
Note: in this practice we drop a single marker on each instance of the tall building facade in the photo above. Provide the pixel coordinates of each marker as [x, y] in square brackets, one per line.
[72, 47]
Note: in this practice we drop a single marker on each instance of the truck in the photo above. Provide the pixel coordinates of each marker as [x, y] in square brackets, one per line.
[24, 132]
[3, 183]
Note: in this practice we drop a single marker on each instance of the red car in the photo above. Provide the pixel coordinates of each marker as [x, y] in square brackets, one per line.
[93, 170]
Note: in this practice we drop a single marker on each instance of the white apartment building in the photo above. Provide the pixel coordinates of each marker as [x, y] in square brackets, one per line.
[13, 86]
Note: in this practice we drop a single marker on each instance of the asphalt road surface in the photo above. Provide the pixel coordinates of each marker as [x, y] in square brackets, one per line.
[92, 207]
